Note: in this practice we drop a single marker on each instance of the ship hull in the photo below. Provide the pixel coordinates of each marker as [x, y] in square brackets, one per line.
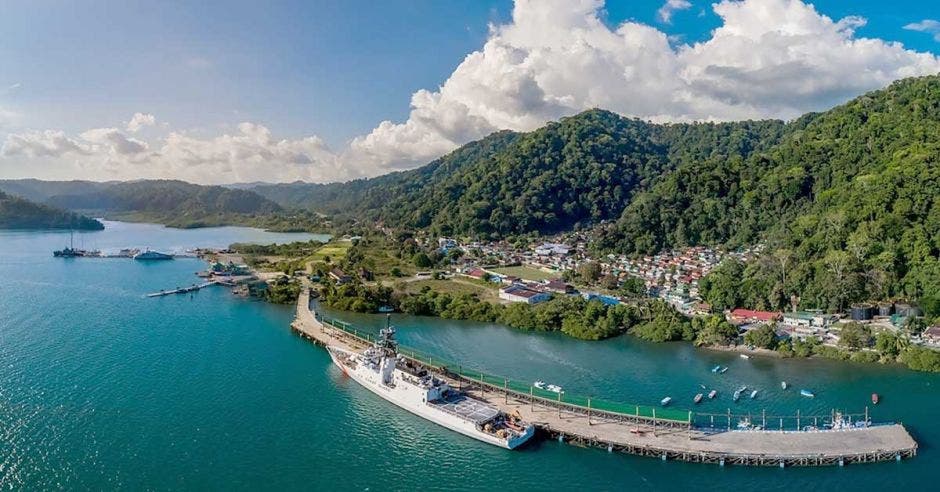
[424, 410]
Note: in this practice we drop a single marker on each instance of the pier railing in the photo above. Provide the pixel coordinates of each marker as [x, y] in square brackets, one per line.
[472, 378]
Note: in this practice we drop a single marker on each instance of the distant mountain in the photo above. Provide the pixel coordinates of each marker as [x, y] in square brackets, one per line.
[174, 203]
[19, 213]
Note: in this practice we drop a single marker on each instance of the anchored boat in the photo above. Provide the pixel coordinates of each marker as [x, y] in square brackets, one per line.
[383, 371]
[666, 401]
[807, 393]
[712, 394]
[698, 398]
[783, 384]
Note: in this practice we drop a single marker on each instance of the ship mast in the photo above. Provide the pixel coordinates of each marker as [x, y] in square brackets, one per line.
[386, 340]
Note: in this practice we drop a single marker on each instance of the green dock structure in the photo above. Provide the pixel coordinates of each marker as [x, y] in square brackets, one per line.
[662, 433]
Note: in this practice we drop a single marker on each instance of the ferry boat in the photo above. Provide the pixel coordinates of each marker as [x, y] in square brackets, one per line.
[698, 398]
[807, 393]
[666, 401]
[712, 394]
[383, 371]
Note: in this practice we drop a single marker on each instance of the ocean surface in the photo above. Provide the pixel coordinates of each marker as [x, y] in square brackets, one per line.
[102, 388]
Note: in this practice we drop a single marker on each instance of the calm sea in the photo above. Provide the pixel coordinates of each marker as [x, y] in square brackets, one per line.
[102, 388]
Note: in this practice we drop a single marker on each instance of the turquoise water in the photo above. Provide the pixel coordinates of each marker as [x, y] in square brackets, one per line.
[103, 388]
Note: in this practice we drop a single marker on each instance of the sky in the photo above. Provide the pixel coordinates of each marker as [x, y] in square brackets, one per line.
[319, 91]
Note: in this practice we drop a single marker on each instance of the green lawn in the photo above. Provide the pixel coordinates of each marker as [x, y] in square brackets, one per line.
[527, 273]
[336, 250]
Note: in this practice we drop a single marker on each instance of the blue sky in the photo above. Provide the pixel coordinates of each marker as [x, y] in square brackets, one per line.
[327, 69]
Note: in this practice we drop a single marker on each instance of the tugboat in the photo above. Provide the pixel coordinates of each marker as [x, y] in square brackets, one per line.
[409, 385]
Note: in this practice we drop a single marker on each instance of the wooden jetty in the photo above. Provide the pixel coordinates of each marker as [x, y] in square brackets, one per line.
[640, 433]
[182, 290]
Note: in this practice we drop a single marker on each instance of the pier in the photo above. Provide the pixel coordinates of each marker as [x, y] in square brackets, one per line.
[182, 290]
[666, 434]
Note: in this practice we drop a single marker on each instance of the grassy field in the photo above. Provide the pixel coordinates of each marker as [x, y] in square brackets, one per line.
[527, 273]
[335, 250]
[453, 287]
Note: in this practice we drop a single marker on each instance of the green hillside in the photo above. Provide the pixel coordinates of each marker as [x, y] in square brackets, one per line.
[19, 213]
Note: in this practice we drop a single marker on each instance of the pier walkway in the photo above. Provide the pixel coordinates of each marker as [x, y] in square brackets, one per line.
[183, 290]
[667, 434]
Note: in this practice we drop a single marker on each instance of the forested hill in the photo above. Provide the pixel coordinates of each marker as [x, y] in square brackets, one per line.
[576, 172]
[19, 213]
[173, 203]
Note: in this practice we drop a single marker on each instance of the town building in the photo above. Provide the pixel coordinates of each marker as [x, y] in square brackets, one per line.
[522, 293]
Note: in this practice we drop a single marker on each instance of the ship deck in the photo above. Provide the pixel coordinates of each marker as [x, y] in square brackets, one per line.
[470, 409]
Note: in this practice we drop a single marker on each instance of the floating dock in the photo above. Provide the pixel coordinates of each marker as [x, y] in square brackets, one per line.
[182, 290]
[639, 430]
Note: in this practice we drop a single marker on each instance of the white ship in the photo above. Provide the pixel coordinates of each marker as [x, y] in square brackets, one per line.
[410, 386]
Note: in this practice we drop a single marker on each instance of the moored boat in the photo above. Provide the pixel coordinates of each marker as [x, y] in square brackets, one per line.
[875, 398]
[410, 386]
[753, 394]
[554, 388]
[712, 394]
[716, 368]
[666, 401]
[807, 393]
[745, 356]
[783, 384]
[698, 398]
[723, 370]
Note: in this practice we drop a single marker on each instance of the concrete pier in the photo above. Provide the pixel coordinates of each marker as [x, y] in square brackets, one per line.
[667, 439]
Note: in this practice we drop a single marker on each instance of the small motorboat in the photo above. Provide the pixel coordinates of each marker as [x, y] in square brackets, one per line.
[539, 384]
[554, 388]
[723, 370]
[712, 394]
[783, 384]
[807, 393]
[737, 395]
[665, 401]
[745, 356]
[753, 394]
[716, 368]
[875, 398]
[698, 398]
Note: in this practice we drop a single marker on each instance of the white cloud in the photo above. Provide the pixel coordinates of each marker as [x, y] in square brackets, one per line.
[767, 59]
[664, 14]
[929, 26]
[47, 143]
[140, 120]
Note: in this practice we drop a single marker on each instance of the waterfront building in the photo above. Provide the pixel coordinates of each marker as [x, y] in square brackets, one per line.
[522, 293]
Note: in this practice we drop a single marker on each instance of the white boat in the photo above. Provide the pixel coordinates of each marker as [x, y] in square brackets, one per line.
[698, 398]
[539, 384]
[745, 356]
[712, 394]
[723, 370]
[383, 371]
[665, 401]
[554, 388]
[753, 394]
[783, 384]
[716, 368]
[737, 395]
[807, 393]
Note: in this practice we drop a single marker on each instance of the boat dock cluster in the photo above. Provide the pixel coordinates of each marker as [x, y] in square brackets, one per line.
[667, 434]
